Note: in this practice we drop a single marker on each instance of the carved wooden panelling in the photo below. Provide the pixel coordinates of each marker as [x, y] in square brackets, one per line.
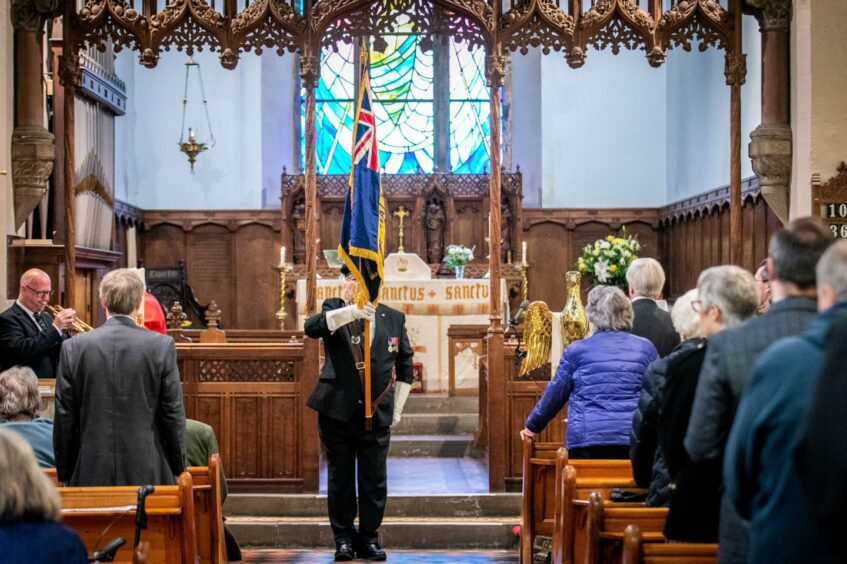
[247, 415]
[282, 424]
[246, 371]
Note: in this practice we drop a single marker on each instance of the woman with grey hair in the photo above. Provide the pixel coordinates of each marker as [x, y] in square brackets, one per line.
[648, 463]
[600, 379]
[20, 404]
[30, 509]
[725, 296]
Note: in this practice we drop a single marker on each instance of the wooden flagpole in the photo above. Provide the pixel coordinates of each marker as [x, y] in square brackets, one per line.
[368, 405]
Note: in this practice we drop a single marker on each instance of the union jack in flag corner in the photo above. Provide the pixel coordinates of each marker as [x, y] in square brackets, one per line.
[362, 244]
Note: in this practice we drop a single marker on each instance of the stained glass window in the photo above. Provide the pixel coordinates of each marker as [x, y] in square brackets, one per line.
[404, 85]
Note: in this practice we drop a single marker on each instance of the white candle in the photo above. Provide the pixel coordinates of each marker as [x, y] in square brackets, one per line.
[282, 255]
[523, 252]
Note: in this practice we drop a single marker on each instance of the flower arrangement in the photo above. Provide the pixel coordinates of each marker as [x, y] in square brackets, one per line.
[457, 256]
[606, 261]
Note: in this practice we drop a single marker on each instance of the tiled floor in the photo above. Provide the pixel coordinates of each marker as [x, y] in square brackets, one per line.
[397, 557]
[432, 476]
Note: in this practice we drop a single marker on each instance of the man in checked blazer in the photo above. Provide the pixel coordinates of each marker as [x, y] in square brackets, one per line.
[352, 451]
[28, 335]
[730, 356]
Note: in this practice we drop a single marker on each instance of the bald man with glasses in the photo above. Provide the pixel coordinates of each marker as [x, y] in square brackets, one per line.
[28, 335]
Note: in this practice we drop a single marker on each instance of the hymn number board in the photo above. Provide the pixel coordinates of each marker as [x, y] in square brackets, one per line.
[830, 201]
[835, 215]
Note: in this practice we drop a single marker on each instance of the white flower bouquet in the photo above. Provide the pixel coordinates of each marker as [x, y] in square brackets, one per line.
[606, 261]
[458, 255]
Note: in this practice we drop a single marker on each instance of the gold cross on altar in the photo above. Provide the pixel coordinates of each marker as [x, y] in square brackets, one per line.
[401, 213]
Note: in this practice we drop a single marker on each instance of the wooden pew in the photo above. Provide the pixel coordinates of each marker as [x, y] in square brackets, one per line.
[208, 513]
[636, 551]
[604, 532]
[579, 480]
[543, 482]
[539, 494]
[170, 519]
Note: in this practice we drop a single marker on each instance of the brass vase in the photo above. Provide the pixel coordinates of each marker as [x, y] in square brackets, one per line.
[574, 322]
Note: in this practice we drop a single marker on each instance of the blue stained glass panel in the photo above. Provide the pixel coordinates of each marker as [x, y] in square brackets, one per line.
[469, 128]
[467, 73]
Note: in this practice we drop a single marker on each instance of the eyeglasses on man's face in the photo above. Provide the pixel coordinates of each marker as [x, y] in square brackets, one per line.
[41, 295]
[699, 307]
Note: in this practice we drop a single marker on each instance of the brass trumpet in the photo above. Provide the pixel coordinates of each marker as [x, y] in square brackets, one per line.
[78, 326]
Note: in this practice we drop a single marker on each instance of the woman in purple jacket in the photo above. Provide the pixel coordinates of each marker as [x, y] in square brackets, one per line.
[600, 379]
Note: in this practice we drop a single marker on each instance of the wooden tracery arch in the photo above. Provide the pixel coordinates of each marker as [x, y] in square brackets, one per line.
[568, 27]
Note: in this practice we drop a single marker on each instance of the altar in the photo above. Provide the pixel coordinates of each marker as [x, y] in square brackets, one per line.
[431, 307]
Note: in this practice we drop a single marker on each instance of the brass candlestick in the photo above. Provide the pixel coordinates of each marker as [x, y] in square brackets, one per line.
[283, 268]
[523, 268]
[401, 213]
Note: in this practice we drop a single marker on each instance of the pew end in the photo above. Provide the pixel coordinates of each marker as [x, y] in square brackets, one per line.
[637, 551]
[170, 519]
[206, 489]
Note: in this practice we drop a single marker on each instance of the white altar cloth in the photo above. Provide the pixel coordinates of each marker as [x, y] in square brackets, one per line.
[431, 306]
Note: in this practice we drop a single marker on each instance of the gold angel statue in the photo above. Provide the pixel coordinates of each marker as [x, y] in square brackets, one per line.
[538, 326]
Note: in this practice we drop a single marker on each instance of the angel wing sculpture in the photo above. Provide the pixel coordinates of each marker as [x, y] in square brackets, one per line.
[538, 336]
[538, 326]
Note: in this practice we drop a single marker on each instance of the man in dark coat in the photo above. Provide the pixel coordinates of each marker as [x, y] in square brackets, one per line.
[338, 398]
[28, 335]
[646, 279]
[119, 414]
[760, 473]
[728, 366]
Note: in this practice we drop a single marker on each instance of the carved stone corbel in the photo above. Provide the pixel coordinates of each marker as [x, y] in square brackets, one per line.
[773, 14]
[770, 151]
[33, 146]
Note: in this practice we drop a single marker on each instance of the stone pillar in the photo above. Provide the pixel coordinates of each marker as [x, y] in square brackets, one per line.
[771, 142]
[33, 147]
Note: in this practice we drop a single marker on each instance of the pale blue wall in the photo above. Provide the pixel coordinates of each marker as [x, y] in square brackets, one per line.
[253, 135]
[603, 132]
[698, 116]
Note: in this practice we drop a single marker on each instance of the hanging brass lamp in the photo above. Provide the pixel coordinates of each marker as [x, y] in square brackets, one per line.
[192, 146]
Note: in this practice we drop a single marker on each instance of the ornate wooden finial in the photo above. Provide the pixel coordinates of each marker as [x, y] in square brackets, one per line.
[176, 316]
[213, 315]
[842, 168]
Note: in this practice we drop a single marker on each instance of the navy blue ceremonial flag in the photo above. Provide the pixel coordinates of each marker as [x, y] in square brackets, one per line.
[362, 244]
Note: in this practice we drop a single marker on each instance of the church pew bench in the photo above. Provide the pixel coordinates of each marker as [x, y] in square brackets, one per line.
[543, 469]
[606, 524]
[637, 551]
[577, 486]
[170, 519]
[208, 512]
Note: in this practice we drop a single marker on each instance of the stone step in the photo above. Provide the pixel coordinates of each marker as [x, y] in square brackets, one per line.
[441, 403]
[395, 533]
[436, 424]
[424, 506]
[435, 446]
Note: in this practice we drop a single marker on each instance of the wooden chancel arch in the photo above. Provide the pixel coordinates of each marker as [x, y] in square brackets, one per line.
[568, 27]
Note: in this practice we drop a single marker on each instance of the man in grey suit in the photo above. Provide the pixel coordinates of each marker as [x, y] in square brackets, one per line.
[119, 413]
[728, 365]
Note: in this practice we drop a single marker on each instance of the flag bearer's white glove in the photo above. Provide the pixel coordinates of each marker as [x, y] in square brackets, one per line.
[347, 314]
[401, 394]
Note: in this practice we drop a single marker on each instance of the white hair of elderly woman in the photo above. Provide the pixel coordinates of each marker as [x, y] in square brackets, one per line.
[19, 397]
[685, 320]
[732, 290]
[608, 309]
[25, 490]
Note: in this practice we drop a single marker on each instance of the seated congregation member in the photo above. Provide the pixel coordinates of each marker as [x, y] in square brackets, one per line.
[28, 335]
[355, 454]
[30, 507]
[200, 444]
[821, 455]
[760, 473]
[793, 253]
[20, 404]
[725, 297]
[646, 278]
[648, 465]
[600, 379]
[119, 413]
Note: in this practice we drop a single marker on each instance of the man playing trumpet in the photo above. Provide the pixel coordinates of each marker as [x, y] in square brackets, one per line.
[28, 335]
